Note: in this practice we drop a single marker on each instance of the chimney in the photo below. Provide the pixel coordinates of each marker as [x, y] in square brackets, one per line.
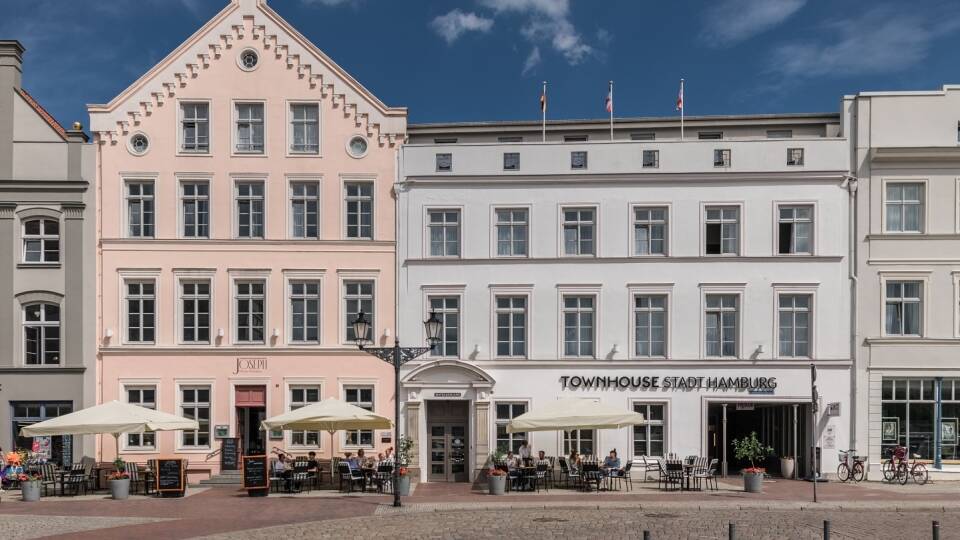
[11, 63]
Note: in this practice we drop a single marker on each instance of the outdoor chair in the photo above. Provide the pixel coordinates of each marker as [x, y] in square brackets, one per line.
[89, 466]
[75, 479]
[590, 474]
[134, 473]
[352, 477]
[48, 477]
[275, 479]
[545, 476]
[569, 475]
[300, 476]
[150, 476]
[384, 478]
[708, 475]
[674, 473]
[626, 476]
[648, 465]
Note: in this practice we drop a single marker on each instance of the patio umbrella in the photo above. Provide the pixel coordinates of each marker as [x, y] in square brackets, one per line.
[569, 414]
[329, 415]
[114, 418]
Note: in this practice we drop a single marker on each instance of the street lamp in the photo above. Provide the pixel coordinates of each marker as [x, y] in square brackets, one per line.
[397, 356]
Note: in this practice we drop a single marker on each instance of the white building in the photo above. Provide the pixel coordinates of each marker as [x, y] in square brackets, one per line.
[694, 281]
[907, 158]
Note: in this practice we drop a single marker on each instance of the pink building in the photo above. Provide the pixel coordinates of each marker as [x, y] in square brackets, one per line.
[246, 215]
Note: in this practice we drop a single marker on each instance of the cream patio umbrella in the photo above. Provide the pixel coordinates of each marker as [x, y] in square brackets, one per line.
[573, 413]
[329, 415]
[113, 417]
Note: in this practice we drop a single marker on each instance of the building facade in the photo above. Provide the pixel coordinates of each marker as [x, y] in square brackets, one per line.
[47, 232]
[694, 281]
[906, 158]
[246, 186]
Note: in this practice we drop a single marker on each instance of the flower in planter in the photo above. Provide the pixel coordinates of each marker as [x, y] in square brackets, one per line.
[496, 472]
[403, 471]
[119, 475]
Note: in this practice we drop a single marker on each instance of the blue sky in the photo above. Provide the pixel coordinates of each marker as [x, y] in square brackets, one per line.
[485, 59]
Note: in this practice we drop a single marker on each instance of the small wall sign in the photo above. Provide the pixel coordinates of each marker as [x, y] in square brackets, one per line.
[221, 431]
[250, 365]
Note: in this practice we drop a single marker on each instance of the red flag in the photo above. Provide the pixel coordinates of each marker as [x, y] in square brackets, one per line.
[680, 97]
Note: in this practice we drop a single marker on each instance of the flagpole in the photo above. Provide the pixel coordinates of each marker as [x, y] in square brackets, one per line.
[611, 110]
[543, 110]
[682, 107]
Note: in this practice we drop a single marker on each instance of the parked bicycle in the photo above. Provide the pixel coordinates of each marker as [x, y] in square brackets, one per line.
[898, 468]
[851, 466]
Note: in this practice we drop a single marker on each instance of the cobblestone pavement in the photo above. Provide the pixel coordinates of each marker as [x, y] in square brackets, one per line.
[611, 524]
[14, 527]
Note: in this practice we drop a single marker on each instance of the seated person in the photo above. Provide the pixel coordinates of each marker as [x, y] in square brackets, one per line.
[541, 456]
[611, 464]
[313, 466]
[380, 460]
[351, 460]
[512, 461]
[573, 462]
[362, 460]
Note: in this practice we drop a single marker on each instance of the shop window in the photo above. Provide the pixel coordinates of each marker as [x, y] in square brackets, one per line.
[146, 397]
[301, 396]
[56, 449]
[361, 396]
[509, 442]
[908, 410]
[649, 437]
[580, 440]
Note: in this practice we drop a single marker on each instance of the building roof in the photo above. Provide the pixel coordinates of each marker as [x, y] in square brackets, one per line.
[584, 122]
[47, 117]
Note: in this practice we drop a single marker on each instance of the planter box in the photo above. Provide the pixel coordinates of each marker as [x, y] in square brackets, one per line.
[30, 491]
[753, 482]
[404, 485]
[120, 489]
[497, 484]
[787, 467]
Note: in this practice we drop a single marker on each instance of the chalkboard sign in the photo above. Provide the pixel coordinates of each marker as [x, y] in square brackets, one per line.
[169, 476]
[255, 475]
[229, 454]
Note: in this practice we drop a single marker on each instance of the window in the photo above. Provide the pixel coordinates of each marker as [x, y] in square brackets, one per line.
[304, 128]
[510, 139]
[250, 204]
[195, 405]
[195, 307]
[904, 207]
[794, 157]
[643, 136]
[578, 160]
[578, 231]
[779, 133]
[795, 230]
[650, 230]
[648, 437]
[720, 325]
[146, 397]
[710, 135]
[195, 198]
[305, 311]
[141, 314]
[359, 209]
[444, 229]
[650, 325]
[445, 140]
[41, 334]
[361, 396]
[139, 144]
[249, 134]
[512, 230]
[721, 158]
[511, 161]
[511, 314]
[651, 159]
[444, 162]
[357, 146]
[909, 415]
[357, 297]
[26, 413]
[195, 127]
[41, 241]
[903, 309]
[447, 309]
[580, 440]
[578, 325]
[250, 320]
[304, 210]
[140, 209]
[722, 230]
[574, 138]
[301, 396]
[248, 59]
[794, 334]
[509, 442]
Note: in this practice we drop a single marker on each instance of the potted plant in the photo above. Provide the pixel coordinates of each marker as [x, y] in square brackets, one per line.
[496, 478]
[29, 487]
[787, 466]
[119, 481]
[751, 449]
[404, 450]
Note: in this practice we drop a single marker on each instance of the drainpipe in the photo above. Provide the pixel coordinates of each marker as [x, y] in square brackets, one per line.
[937, 421]
[850, 182]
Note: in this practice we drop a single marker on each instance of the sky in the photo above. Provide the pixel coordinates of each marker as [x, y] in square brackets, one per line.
[472, 60]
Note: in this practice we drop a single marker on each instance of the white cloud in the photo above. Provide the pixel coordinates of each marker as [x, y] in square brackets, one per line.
[882, 40]
[547, 21]
[452, 25]
[732, 21]
[532, 61]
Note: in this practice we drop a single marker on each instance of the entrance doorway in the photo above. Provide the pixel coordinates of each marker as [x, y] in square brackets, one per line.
[774, 425]
[251, 404]
[447, 423]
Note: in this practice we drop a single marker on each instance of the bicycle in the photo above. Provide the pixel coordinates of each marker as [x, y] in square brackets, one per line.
[901, 469]
[894, 457]
[851, 466]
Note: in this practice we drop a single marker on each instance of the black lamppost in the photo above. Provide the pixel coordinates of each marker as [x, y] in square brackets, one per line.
[397, 356]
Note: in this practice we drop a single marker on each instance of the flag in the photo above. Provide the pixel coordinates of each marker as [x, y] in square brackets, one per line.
[543, 99]
[608, 102]
[680, 97]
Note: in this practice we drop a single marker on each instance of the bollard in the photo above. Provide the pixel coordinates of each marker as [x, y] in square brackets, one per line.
[646, 535]
[826, 529]
[732, 532]
[936, 530]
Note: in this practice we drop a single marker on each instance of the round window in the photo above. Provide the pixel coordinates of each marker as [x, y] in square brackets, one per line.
[139, 143]
[249, 59]
[357, 146]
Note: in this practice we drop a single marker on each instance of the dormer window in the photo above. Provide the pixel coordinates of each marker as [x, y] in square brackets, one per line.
[444, 162]
[721, 158]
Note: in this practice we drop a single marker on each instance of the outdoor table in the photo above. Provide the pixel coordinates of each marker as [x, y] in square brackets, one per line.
[524, 483]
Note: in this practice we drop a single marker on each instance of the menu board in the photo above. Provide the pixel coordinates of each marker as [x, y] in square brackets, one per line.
[229, 454]
[169, 476]
[255, 475]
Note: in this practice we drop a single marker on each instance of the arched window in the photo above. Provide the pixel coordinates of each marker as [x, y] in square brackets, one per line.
[41, 241]
[41, 334]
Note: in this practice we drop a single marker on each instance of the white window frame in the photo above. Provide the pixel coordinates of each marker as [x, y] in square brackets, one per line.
[956, 303]
[236, 206]
[647, 423]
[494, 208]
[575, 290]
[579, 440]
[192, 383]
[290, 152]
[235, 308]
[200, 274]
[43, 238]
[181, 296]
[125, 387]
[741, 221]
[649, 289]
[668, 232]
[43, 324]
[343, 277]
[344, 180]
[294, 384]
[924, 205]
[808, 289]
[296, 180]
[814, 222]
[181, 198]
[528, 436]
[126, 205]
[123, 276]
[290, 281]
[737, 289]
[441, 314]
[142, 297]
[179, 128]
[235, 128]
[359, 384]
[428, 226]
[924, 279]
[561, 222]
[513, 291]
